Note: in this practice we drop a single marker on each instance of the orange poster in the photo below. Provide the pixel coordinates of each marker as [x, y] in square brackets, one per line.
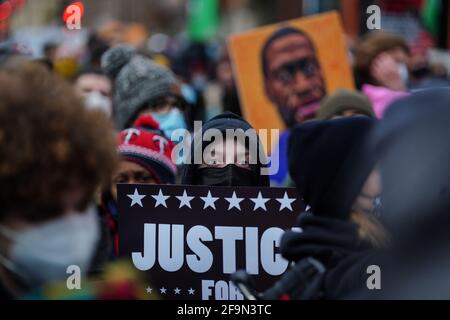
[284, 70]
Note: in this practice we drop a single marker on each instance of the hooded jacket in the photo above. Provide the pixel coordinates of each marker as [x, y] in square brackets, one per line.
[227, 120]
[329, 161]
[414, 159]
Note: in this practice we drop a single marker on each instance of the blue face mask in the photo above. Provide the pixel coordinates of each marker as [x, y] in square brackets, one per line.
[170, 121]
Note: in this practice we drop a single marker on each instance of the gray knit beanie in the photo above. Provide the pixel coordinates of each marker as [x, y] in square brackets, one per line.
[137, 81]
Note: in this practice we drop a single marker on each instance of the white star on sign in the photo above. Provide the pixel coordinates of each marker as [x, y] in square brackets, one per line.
[209, 201]
[286, 202]
[160, 199]
[260, 202]
[136, 198]
[163, 290]
[177, 290]
[149, 290]
[234, 201]
[191, 291]
[185, 200]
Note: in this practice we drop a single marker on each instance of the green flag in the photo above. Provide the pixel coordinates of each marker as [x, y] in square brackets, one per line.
[203, 19]
[430, 16]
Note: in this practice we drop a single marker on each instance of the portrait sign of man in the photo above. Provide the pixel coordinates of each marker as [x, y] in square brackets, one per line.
[283, 71]
[293, 78]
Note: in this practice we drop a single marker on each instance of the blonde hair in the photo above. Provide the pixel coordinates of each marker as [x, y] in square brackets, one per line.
[369, 228]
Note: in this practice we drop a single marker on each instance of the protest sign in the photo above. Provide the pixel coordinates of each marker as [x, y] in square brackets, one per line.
[190, 239]
[284, 70]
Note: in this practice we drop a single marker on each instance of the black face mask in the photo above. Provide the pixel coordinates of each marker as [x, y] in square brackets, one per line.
[229, 176]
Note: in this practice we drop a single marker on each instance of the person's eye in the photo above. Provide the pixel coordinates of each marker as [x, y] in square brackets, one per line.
[145, 178]
[120, 179]
[284, 76]
[310, 68]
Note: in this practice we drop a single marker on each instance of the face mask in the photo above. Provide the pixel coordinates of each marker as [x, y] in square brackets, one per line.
[404, 72]
[42, 254]
[94, 100]
[170, 121]
[229, 176]
[189, 94]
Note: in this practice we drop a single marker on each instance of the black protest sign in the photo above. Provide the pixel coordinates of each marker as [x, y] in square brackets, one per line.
[189, 239]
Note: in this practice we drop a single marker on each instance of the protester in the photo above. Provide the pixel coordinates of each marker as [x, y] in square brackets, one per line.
[415, 172]
[54, 155]
[345, 103]
[142, 86]
[335, 172]
[412, 154]
[96, 89]
[242, 168]
[381, 68]
[145, 158]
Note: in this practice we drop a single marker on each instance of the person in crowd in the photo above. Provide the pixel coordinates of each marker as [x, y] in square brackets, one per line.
[222, 167]
[142, 86]
[224, 73]
[54, 155]
[410, 153]
[335, 173]
[144, 158]
[414, 167]
[343, 104]
[381, 68]
[96, 89]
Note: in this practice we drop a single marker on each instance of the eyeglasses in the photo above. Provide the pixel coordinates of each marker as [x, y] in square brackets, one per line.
[286, 73]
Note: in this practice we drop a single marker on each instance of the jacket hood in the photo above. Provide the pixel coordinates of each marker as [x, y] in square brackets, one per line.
[227, 120]
[329, 162]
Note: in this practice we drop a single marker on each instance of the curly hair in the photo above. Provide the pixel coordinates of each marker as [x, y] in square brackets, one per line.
[49, 143]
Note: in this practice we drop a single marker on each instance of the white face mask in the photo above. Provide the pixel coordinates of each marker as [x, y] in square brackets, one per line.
[94, 100]
[404, 72]
[42, 254]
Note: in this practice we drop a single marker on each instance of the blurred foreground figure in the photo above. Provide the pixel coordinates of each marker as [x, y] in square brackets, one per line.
[54, 154]
[414, 162]
[335, 172]
[415, 168]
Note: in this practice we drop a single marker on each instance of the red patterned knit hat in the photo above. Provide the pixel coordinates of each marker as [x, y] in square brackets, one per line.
[146, 145]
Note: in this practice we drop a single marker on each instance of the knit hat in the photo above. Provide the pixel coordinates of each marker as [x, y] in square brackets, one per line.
[138, 81]
[343, 100]
[147, 146]
[329, 162]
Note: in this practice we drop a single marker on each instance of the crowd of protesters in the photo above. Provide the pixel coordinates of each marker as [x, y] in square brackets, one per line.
[373, 165]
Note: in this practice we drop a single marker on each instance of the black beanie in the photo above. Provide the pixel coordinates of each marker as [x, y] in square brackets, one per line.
[329, 162]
